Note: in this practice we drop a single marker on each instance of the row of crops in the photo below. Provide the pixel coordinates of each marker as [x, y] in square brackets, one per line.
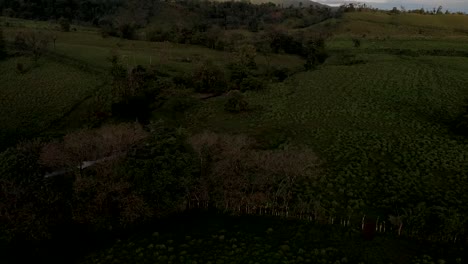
[30, 101]
[382, 129]
[212, 239]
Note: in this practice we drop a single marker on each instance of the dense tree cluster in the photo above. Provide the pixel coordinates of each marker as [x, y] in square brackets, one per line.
[46, 185]
[82, 10]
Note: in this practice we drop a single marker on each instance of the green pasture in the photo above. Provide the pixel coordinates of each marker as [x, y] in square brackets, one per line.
[31, 101]
[379, 24]
[382, 125]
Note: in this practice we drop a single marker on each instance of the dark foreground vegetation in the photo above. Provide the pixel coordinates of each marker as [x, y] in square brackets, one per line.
[269, 141]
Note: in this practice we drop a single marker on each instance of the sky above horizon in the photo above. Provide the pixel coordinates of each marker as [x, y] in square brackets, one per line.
[452, 5]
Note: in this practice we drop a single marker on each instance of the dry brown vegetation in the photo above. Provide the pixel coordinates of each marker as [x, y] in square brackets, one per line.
[31, 204]
[239, 178]
[90, 145]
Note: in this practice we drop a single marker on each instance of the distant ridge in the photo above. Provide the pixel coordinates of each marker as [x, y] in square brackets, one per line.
[285, 3]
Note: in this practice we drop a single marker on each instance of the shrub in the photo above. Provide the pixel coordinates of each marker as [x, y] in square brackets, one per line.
[208, 78]
[127, 31]
[238, 72]
[280, 74]
[32, 43]
[314, 56]
[313, 50]
[64, 24]
[182, 80]
[252, 83]
[236, 102]
[161, 169]
[20, 67]
[179, 102]
[356, 42]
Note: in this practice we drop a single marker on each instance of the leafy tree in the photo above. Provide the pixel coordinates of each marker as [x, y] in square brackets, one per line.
[32, 43]
[245, 56]
[31, 205]
[236, 102]
[314, 52]
[395, 10]
[208, 78]
[213, 38]
[253, 25]
[64, 24]
[252, 83]
[356, 42]
[162, 169]
[134, 91]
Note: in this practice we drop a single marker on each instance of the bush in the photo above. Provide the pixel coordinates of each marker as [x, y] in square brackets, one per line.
[20, 67]
[182, 80]
[31, 43]
[238, 72]
[162, 169]
[208, 78]
[236, 102]
[64, 24]
[280, 74]
[179, 103]
[314, 56]
[356, 42]
[159, 35]
[252, 83]
[127, 31]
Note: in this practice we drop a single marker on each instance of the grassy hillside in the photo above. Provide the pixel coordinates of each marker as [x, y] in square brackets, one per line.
[78, 66]
[31, 101]
[378, 116]
[285, 3]
[403, 25]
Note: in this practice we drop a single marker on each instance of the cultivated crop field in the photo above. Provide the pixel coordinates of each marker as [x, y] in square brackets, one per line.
[381, 126]
[77, 65]
[403, 25]
[215, 239]
[30, 101]
[377, 114]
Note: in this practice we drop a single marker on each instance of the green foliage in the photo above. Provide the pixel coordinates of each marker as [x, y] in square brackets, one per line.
[208, 78]
[279, 74]
[235, 102]
[179, 103]
[64, 24]
[385, 156]
[134, 91]
[33, 105]
[31, 205]
[20, 67]
[31, 43]
[161, 169]
[126, 30]
[252, 84]
[314, 52]
[214, 238]
[3, 51]
[356, 42]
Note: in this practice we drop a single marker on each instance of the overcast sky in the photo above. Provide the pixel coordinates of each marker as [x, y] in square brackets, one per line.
[452, 5]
